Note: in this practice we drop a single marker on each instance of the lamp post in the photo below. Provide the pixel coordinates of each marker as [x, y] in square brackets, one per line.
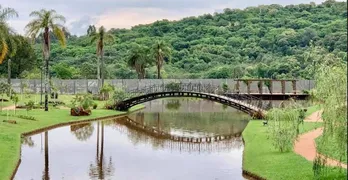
[41, 86]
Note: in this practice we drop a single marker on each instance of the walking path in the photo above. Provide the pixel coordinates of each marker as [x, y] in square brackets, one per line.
[305, 145]
[9, 108]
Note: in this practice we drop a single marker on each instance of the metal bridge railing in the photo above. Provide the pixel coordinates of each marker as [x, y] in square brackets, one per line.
[246, 99]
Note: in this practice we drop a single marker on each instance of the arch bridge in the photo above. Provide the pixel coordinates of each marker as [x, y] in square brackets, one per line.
[243, 102]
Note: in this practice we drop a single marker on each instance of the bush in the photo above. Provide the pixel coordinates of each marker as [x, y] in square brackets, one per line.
[225, 87]
[173, 86]
[119, 95]
[95, 105]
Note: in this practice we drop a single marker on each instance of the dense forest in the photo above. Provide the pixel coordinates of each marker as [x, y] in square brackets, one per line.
[268, 41]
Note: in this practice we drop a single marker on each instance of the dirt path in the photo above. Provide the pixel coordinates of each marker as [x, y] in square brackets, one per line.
[305, 145]
[314, 117]
[9, 108]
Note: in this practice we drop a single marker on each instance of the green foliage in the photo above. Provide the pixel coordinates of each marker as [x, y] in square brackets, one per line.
[283, 125]
[4, 88]
[29, 105]
[173, 104]
[107, 88]
[331, 91]
[231, 44]
[84, 101]
[119, 95]
[225, 87]
[173, 86]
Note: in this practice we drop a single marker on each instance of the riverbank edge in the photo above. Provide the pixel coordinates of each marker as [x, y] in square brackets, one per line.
[249, 175]
[42, 129]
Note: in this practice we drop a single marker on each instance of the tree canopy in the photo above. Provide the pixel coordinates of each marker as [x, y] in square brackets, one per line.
[267, 41]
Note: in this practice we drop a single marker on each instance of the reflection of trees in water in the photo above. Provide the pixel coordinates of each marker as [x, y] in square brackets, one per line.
[27, 140]
[140, 137]
[83, 131]
[46, 173]
[173, 104]
[204, 123]
[101, 169]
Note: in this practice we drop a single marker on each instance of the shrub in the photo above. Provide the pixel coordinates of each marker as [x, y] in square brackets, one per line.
[119, 95]
[225, 87]
[95, 105]
[173, 86]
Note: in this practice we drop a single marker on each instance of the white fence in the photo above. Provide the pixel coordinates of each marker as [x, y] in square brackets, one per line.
[76, 86]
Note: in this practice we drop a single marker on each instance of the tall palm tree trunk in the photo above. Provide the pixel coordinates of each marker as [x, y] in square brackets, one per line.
[101, 172]
[158, 72]
[9, 71]
[97, 139]
[46, 57]
[102, 69]
[98, 73]
[46, 173]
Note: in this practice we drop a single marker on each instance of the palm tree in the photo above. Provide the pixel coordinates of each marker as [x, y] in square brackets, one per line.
[139, 59]
[100, 37]
[102, 169]
[160, 51]
[7, 39]
[46, 22]
[7, 44]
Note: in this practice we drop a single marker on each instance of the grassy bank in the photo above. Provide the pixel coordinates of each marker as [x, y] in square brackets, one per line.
[10, 133]
[262, 159]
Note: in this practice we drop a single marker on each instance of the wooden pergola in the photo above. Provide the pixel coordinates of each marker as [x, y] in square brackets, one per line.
[269, 84]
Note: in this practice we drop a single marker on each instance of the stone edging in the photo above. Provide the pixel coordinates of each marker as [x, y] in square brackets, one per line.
[249, 175]
[61, 125]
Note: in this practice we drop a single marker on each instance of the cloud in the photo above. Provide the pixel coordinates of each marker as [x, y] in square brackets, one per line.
[126, 13]
[80, 26]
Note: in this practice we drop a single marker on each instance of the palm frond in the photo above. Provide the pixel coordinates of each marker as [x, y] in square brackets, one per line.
[59, 35]
[7, 13]
[4, 51]
[58, 17]
[40, 14]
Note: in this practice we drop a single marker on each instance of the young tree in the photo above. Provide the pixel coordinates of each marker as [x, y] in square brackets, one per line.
[160, 51]
[100, 37]
[46, 22]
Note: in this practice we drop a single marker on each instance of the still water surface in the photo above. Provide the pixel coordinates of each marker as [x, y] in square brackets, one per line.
[150, 144]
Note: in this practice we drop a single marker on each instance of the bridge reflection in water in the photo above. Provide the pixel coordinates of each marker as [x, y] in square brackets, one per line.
[161, 139]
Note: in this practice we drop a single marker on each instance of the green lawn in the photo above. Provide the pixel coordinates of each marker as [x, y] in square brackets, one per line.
[10, 133]
[263, 160]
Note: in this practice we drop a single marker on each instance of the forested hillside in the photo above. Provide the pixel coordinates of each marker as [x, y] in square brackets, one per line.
[266, 41]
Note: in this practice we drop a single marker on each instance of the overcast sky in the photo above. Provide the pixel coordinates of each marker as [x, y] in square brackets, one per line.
[126, 13]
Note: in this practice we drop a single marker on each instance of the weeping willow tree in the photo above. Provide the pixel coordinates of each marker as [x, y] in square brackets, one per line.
[331, 91]
[284, 124]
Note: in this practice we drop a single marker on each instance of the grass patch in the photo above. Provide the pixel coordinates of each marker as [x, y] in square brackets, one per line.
[330, 151]
[10, 133]
[263, 160]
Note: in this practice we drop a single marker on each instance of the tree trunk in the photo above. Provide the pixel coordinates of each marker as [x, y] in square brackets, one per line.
[9, 71]
[102, 69]
[158, 72]
[98, 73]
[46, 57]
[101, 171]
[46, 173]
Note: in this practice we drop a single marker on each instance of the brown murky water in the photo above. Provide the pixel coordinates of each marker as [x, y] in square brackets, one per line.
[170, 139]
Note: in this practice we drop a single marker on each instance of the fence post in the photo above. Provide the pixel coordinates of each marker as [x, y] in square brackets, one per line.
[86, 85]
[74, 86]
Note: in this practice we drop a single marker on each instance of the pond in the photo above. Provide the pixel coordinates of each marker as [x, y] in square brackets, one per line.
[169, 139]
